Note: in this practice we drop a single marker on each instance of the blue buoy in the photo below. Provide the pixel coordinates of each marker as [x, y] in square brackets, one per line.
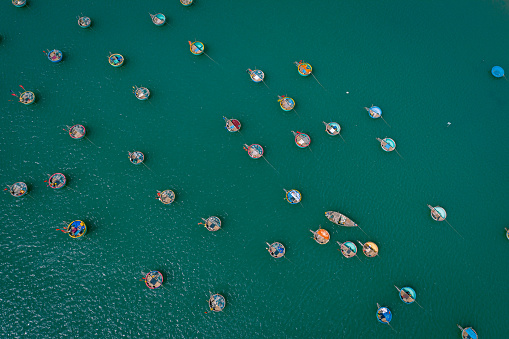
[497, 71]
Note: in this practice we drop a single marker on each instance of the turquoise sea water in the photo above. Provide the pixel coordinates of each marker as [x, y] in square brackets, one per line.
[424, 63]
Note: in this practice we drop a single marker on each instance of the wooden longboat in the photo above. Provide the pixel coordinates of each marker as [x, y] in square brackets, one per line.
[340, 219]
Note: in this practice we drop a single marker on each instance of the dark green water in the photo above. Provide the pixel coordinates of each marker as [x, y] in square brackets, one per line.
[424, 63]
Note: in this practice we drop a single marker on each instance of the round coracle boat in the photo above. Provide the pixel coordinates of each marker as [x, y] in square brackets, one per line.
[256, 75]
[332, 128]
[166, 196]
[141, 93]
[154, 279]
[196, 47]
[57, 181]
[77, 131]
[232, 125]
[84, 21]
[55, 55]
[116, 60]
[276, 250]
[286, 103]
[27, 98]
[321, 236]
[255, 151]
[293, 196]
[217, 302]
[158, 19]
[136, 157]
[212, 223]
[18, 189]
[76, 229]
[374, 111]
[304, 68]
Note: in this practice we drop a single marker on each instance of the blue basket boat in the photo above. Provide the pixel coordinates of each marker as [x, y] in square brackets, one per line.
[196, 47]
[57, 181]
[136, 157]
[166, 196]
[116, 60]
[76, 229]
[332, 128]
[232, 125]
[212, 223]
[497, 71]
[286, 103]
[468, 333]
[383, 314]
[141, 93]
[18, 189]
[387, 144]
[301, 139]
[406, 294]
[304, 68]
[19, 3]
[186, 2]
[438, 213]
[84, 21]
[158, 19]
[55, 55]
[276, 249]
[217, 302]
[374, 111]
[507, 233]
[77, 131]
[153, 279]
[293, 196]
[348, 249]
[256, 75]
[255, 151]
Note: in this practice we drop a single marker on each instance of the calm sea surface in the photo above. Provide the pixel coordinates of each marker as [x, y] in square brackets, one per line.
[425, 63]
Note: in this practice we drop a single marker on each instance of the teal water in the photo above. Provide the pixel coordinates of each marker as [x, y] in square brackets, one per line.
[424, 63]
